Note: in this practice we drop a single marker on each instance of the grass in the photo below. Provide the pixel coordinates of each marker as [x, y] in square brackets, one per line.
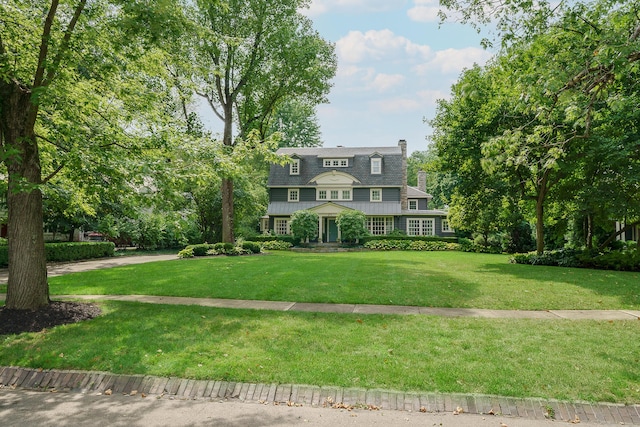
[572, 360]
[432, 279]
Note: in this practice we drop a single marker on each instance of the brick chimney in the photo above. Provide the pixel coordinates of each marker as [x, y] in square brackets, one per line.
[404, 205]
[422, 181]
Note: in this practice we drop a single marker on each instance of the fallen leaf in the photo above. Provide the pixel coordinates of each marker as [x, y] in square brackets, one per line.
[491, 412]
[108, 392]
[503, 425]
[458, 411]
[576, 420]
[133, 392]
[423, 409]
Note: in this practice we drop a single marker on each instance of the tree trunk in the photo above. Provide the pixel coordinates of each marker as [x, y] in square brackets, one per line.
[589, 239]
[540, 225]
[27, 287]
[227, 211]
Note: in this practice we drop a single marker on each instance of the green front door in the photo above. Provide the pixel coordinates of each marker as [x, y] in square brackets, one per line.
[332, 229]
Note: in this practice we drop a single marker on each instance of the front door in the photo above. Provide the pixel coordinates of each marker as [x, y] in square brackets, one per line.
[332, 230]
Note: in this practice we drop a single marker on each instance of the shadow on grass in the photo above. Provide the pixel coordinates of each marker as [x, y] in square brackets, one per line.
[621, 285]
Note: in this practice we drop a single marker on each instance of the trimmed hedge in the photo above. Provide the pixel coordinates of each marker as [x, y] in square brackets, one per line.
[628, 260]
[411, 245]
[271, 238]
[410, 238]
[68, 251]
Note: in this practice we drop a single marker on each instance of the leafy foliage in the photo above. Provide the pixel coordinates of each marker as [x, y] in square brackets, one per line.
[353, 225]
[304, 225]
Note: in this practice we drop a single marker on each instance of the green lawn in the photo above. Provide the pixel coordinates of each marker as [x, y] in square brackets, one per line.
[574, 360]
[435, 279]
[562, 359]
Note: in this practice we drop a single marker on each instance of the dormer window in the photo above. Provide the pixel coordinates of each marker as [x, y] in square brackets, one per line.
[294, 167]
[413, 205]
[376, 166]
[335, 163]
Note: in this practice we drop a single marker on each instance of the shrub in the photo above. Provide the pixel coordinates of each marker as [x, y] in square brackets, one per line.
[615, 260]
[411, 245]
[186, 253]
[272, 237]
[353, 225]
[253, 247]
[199, 249]
[67, 251]
[304, 225]
[276, 245]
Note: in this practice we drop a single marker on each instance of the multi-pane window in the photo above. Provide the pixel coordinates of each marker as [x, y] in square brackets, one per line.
[380, 225]
[333, 194]
[376, 166]
[376, 195]
[445, 226]
[294, 168]
[413, 205]
[420, 227]
[335, 163]
[281, 226]
[294, 195]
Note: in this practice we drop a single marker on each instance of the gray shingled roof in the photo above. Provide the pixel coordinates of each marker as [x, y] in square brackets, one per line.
[311, 165]
[414, 193]
[382, 208]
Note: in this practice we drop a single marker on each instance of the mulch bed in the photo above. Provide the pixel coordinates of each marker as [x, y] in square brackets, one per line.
[56, 313]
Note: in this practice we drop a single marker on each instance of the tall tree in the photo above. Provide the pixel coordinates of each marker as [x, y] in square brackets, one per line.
[297, 124]
[64, 83]
[249, 58]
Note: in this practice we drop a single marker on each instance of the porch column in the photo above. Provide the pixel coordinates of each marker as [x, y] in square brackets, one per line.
[321, 221]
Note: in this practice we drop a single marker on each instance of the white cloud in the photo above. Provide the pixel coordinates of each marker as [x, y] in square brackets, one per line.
[357, 46]
[424, 11]
[453, 61]
[384, 82]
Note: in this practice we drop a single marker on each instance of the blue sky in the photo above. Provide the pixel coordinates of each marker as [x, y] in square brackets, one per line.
[394, 62]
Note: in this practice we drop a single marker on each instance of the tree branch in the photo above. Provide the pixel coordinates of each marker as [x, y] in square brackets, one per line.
[55, 144]
[44, 44]
[53, 174]
[211, 104]
[65, 43]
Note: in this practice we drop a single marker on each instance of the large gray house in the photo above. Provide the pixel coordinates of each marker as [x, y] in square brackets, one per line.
[369, 179]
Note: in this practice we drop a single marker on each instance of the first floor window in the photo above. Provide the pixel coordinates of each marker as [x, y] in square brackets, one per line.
[294, 195]
[281, 226]
[420, 227]
[445, 226]
[380, 225]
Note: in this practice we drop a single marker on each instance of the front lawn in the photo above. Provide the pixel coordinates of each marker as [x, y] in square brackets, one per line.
[435, 279]
[572, 360]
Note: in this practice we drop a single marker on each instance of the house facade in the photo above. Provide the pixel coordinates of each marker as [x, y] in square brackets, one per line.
[373, 180]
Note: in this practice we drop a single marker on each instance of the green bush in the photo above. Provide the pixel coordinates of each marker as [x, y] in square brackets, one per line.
[186, 253]
[276, 245]
[253, 247]
[628, 260]
[411, 245]
[399, 235]
[304, 225]
[67, 251]
[271, 238]
[199, 249]
[353, 226]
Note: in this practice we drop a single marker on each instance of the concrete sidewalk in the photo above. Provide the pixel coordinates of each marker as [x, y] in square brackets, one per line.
[115, 397]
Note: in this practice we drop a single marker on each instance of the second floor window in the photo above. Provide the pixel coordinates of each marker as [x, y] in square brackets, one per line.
[294, 195]
[334, 194]
[413, 205]
[294, 168]
[335, 163]
[376, 166]
[376, 195]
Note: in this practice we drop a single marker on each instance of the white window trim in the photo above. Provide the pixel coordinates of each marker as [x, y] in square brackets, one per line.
[387, 228]
[448, 229]
[371, 195]
[287, 221]
[335, 163]
[294, 165]
[340, 191]
[422, 227]
[409, 204]
[377, 170]
[289, 191]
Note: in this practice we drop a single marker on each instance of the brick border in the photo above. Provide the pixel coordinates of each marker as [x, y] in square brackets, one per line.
[300, 395]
